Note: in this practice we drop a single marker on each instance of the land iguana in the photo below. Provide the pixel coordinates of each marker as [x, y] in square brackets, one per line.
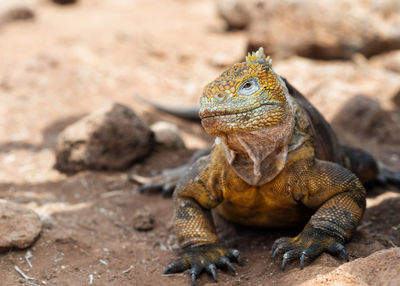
[275, 162]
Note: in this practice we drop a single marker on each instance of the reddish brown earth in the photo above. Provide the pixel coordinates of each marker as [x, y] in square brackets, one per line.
[71, 60]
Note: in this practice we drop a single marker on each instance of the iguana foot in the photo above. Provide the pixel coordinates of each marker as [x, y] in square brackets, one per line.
[206, 257]
[165, 182]
[308, 244]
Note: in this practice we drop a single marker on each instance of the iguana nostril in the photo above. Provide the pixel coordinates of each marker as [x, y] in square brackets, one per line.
[220, 96]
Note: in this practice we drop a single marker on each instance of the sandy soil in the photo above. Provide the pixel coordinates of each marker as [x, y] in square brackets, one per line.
[71, 60]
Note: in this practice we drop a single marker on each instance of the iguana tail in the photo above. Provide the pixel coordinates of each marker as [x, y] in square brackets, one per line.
[388, 175]
[188, 112]
[367, 169]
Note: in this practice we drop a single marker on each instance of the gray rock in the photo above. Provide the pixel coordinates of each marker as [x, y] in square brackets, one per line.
[19, 226]
[110, 138]
[325, 83]
[64, 2]
[356, 98]
[13, 10]
[396, 98]
[324, 29]
[234, 12]
[167, 134]
[143, 220]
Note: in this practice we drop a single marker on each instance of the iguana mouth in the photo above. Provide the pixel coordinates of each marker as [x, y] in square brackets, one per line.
[207, 113]
[263, 116]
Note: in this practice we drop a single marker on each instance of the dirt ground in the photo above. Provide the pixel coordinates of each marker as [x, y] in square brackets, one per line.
[70, 60]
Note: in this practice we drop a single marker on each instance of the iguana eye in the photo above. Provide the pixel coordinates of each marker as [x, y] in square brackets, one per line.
[249, 87]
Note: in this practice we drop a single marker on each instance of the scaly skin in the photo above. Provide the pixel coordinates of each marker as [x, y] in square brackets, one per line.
[268, 168]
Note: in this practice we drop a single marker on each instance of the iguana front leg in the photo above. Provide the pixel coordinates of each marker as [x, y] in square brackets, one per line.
[340, 199]
[193, 200]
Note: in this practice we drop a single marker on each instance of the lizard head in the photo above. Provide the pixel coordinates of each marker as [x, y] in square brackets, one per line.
[246, 97]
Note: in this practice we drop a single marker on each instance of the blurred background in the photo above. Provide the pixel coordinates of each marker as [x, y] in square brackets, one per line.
[62, 59]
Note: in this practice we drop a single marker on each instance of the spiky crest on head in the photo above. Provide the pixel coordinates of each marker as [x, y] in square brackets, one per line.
[257, 66]
[259, 57]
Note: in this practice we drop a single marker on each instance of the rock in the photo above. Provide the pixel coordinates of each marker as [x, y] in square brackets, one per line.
[322, 29]
[359, 113]
[355, 97]
[234, 12]
[167, 134]
[111, 138]
[389, 61]
[380, 268]
[19, 226]
[64, 2]
[396, 99]
[338, 82]
[12, 10]
[143, 220]
[48, 222]
[364, 117]
[220, 60]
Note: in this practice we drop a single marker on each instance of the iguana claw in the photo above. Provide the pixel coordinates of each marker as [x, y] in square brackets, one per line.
[206, 257]
[308, 244]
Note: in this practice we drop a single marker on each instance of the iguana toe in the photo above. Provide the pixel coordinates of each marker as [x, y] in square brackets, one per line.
[206, 257]
[308, 244]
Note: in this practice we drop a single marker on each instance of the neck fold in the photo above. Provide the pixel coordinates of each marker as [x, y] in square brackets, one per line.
[259, 156]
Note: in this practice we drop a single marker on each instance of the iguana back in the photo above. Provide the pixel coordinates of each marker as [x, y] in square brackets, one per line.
[326, 144]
